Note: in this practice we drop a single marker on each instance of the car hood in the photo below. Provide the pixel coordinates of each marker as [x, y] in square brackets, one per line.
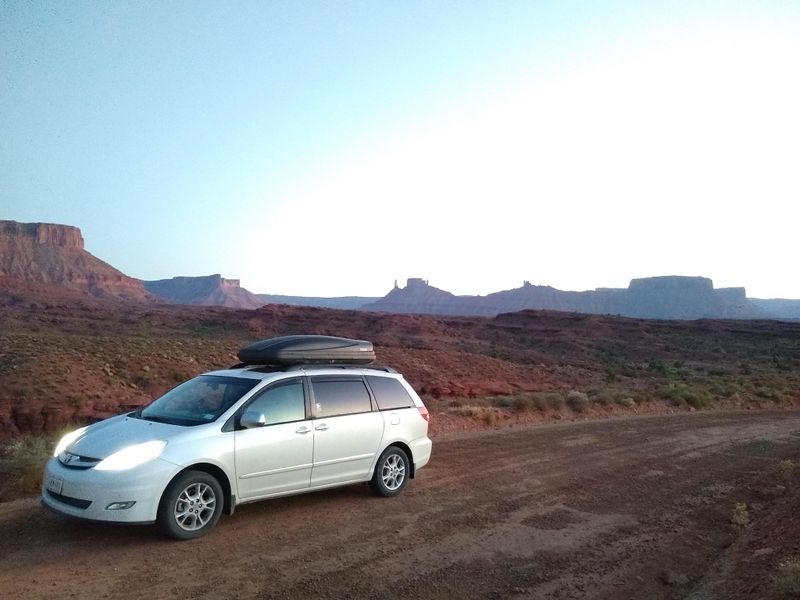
[103, 439]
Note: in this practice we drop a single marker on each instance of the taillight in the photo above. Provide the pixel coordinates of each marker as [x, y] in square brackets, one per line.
[424, 412]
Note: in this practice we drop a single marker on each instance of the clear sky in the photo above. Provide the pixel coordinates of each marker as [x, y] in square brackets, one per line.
[328, 148]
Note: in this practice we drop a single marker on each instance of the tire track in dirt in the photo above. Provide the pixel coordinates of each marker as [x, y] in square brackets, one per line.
[577, 510]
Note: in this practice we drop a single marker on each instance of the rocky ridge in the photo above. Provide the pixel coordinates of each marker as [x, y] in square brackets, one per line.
[51, 254]
[209, 290]
[670, 297]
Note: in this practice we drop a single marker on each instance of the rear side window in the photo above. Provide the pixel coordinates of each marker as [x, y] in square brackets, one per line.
[389, 393]
[340, 397]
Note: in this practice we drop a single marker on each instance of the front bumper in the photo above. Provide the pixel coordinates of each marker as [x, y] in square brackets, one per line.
[87, 493]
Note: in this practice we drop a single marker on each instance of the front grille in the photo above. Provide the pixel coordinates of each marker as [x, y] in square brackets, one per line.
[76, 502]
[75, 461]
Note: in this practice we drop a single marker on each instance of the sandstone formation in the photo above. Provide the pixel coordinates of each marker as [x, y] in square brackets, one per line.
[778, 308]
[209, 290]
[671, 297]
[45, 253]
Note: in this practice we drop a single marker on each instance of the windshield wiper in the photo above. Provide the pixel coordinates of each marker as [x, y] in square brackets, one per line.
[155, 419]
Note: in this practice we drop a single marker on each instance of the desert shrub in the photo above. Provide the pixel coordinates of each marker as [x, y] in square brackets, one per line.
[787, 579]
[503, 401]
[674, 394]
[469, 410]
[787, 469]
[546, 400]
[657, 366]
[523, 403]
[540, 402]
[604, 397]
[613, 395]
[142, 380]
[74, 400]
[741, 516]
[577, 401]
[487, 414]
[725, 389]
[769, 393]
[697, 398]
[490, 416]
[22, 464]
[680, 394]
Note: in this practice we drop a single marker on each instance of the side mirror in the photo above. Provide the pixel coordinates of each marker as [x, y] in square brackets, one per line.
[252, 418]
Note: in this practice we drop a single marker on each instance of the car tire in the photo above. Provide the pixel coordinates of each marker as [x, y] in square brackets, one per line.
[391, 472]
[190, 506]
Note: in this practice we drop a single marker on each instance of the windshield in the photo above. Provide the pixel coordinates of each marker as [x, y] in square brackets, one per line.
[197, 401]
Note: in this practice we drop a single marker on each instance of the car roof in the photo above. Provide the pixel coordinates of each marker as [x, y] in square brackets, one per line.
[277, 372]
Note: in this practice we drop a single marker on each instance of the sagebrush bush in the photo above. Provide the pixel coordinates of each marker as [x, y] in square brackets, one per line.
[554, 400]
[577, 401]
[680, 394]
[787, 469]
[698, 398]
[741, 516]
[603, 397]
[523, 403]
[503, 401]
[613, 395]
[787, 579]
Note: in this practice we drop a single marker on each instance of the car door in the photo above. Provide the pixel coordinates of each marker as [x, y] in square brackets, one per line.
[347, 431]
[275, 457]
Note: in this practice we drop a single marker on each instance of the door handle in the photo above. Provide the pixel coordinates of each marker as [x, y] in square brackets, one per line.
[322, 427]
[303, 429]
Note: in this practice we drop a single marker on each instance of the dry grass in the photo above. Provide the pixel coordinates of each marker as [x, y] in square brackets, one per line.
[488, 414]
[21, 465]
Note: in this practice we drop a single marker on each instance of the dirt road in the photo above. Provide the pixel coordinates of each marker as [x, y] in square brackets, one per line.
[633, 508]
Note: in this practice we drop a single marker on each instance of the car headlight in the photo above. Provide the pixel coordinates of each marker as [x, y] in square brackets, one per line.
[132, 456]
[68, 439]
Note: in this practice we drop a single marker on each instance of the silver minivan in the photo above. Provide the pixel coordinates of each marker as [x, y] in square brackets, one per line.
[240, 435]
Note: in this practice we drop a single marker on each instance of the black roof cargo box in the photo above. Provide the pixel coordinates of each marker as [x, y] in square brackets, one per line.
[307, 349]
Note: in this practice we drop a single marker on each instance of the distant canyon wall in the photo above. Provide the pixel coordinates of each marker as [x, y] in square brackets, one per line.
[670, 297]
[207, 290]
[53, 254]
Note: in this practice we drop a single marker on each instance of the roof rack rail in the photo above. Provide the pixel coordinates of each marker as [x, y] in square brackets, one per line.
[304, 366]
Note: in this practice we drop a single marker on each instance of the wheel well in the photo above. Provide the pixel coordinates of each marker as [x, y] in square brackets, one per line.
[220, 476]
[410, 456]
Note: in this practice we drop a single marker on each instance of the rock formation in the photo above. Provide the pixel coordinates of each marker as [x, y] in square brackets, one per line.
[45, 253]
[671, 297]
[208, 290]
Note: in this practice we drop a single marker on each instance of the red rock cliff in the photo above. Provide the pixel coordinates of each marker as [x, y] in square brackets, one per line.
[54, 254]
[65, 236]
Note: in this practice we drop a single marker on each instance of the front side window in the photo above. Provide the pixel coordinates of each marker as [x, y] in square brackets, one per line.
[282, 403]
[197, 401]
[340, 397]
